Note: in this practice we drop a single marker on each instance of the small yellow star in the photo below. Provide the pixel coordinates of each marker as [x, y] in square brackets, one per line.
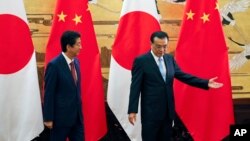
[61, 17]
[205, 17]
[190, 15]
[77, 19]
[217, 6]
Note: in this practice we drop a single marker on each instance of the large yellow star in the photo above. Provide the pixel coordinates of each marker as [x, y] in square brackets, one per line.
[77, 19]
[205, 17]
[190, 15]
[61, 17]
[217, 5]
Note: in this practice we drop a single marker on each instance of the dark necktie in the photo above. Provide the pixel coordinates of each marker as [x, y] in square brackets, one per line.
[73, 71]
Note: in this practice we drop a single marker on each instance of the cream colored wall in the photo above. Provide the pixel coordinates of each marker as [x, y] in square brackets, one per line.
[241, 33]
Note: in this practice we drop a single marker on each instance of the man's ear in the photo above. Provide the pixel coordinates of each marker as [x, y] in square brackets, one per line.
[151, 44]
[67, 47]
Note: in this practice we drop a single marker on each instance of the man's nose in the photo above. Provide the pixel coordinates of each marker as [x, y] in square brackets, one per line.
[162, 49]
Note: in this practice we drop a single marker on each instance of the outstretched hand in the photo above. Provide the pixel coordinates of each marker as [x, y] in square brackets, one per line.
[213, 84]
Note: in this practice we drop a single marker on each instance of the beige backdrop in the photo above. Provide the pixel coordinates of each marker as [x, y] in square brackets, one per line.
[106, 14]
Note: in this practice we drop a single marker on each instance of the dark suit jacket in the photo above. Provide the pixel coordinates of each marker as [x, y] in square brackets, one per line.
[157, 98]
[62, 98]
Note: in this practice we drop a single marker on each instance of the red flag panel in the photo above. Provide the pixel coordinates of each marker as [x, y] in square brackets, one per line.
[202, 51]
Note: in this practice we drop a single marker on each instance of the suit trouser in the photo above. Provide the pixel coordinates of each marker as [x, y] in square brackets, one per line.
[74, 133]
[157, 130]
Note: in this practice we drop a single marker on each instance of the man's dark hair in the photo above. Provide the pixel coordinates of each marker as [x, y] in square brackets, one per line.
[158, 34]
[68, 38]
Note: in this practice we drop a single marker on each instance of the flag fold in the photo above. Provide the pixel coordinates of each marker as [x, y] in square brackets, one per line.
[202, 51]
[20, 110]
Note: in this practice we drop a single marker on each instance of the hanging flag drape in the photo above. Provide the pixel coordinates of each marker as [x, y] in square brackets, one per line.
[20, 110]
[202, 51]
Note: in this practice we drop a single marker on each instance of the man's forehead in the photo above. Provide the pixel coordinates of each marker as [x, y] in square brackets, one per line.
[165, 40]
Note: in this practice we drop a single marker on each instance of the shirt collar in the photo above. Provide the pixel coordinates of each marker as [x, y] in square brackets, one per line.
[156, 57]
[68, 60]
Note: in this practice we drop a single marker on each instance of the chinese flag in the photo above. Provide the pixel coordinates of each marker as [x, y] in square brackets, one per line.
[139, 19]
[75, 15]
[202, 51]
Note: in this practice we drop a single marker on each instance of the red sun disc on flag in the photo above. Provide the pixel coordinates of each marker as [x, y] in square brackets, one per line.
[15, 44]
[133, 40]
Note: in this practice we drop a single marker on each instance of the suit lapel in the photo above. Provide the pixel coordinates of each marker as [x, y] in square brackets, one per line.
[155, 66]
[167, 64]
[65, 69]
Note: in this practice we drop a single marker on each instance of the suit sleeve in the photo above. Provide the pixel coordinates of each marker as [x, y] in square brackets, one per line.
[49, 92]
[135, 87]
[189, 79]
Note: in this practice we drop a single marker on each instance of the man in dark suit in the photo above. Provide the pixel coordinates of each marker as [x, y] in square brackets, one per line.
[152, 78]
[62, 98]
